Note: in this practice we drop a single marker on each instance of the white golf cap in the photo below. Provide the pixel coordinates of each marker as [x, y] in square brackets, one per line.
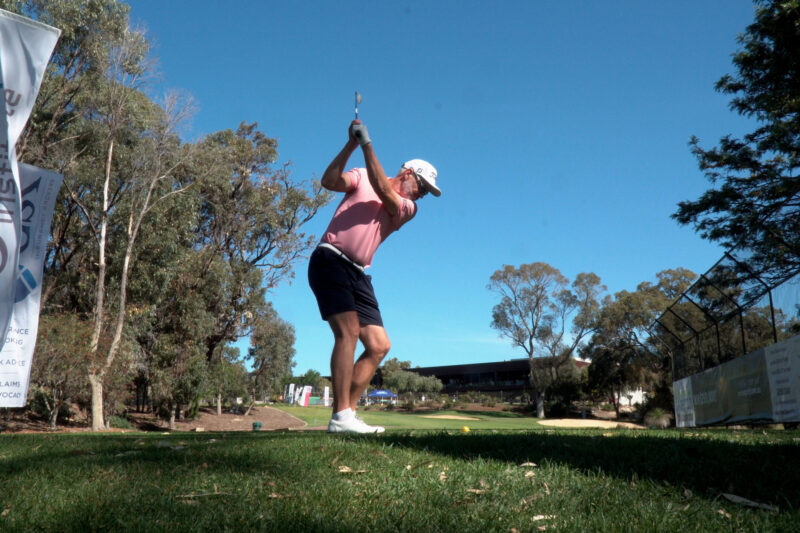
[426, 173]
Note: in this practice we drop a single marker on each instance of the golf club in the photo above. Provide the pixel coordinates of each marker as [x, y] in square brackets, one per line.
[358, 101]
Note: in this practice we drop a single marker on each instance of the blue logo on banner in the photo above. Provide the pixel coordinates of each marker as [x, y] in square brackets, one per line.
[26, 283]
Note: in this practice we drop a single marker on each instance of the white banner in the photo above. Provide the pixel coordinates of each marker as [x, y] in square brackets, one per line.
[684, 404]
[783, 371]
[305, 395]
[25, 49]
[760, 387]
[39, 191]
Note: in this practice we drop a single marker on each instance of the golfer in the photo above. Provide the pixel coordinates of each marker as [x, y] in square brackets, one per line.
[373, 207]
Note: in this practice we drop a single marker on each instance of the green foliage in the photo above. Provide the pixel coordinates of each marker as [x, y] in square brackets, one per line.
[756, 199]
[43, 403]
[228, 377]
[60, 363]
[404, 381]
[170, 246]
[119, 422]
[624, 353]
[657, 418]
[392, 364]
[271, 352]
[311, 377]
[545, 315]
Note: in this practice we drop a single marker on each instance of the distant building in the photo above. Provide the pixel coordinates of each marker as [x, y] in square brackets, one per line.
[511, 376]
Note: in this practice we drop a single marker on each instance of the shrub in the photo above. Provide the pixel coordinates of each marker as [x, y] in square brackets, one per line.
[119, 422]
[39, 405]
[658, 418]
[556, 409]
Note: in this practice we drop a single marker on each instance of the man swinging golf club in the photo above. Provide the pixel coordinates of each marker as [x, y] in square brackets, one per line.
[373, 207]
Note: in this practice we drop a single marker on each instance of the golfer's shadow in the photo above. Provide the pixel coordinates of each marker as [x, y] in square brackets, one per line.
[706, 467]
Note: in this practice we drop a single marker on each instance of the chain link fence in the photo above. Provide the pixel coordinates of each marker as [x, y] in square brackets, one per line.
[729, 311]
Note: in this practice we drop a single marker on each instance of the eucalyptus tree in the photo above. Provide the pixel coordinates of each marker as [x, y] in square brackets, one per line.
[755, 201]
[116, 150]
[623, 350]
[250, 229]
[124, 219]
[66, 133]
[546, 316]
[228, 378]
[58, 371]
[271, 351]
[407, 381]
[169, 318]
[157, 178]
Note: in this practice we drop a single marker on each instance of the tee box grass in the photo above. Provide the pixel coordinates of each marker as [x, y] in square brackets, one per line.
[404, 480]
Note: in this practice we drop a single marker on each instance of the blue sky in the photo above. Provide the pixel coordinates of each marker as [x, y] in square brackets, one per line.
[559, 129]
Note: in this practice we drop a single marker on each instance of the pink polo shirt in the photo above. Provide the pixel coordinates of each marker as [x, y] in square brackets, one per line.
[361, 223]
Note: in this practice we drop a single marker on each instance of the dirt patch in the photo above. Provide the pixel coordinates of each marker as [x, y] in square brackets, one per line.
[207, 420]
[450, 417]
[588, 423]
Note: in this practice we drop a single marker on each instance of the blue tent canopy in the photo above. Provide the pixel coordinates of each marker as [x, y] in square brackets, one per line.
[381, 394]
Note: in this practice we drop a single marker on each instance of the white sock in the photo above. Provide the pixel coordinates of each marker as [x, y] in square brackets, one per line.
[344, 415]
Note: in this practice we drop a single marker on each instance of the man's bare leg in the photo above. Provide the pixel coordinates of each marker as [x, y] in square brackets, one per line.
[376, 346]
[346, 331]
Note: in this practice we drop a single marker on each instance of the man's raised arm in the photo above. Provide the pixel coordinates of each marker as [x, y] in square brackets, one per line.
[377, 177]
[333, 178]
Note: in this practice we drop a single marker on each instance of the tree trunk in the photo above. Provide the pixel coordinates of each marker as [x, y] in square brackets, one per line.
[540, 405]
[141, 396]
[96, 381]
[54, 408]
[219, 404]
[172, 410]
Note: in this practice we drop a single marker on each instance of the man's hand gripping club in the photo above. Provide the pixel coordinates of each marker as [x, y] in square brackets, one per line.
[359, 132]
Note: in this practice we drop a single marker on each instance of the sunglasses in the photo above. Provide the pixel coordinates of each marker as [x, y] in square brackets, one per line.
[423, 189]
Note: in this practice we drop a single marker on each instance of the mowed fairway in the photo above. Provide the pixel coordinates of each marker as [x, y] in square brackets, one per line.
[405, 480]
[316, 416]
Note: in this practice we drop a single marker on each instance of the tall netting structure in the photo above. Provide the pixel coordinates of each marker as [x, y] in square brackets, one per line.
[734, 341]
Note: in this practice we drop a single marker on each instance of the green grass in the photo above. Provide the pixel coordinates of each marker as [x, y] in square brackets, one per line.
[418, 480]
[316, 416]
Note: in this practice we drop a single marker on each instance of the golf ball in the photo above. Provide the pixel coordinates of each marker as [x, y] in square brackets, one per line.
[465, 429]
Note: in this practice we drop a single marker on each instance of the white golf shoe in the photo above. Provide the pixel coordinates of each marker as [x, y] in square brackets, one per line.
[354, 425]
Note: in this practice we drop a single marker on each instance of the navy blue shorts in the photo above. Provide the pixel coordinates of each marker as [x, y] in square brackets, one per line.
[340, 286]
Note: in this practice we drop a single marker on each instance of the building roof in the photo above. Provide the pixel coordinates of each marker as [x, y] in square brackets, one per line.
[511, 365]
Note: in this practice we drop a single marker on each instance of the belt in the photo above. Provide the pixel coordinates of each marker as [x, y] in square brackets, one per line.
[340, 254]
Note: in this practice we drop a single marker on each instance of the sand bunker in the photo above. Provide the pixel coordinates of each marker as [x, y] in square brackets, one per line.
[450, 417]
[561, 423]
[583, 423]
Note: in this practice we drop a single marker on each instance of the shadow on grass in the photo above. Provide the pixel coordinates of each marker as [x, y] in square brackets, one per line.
[768, 473]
